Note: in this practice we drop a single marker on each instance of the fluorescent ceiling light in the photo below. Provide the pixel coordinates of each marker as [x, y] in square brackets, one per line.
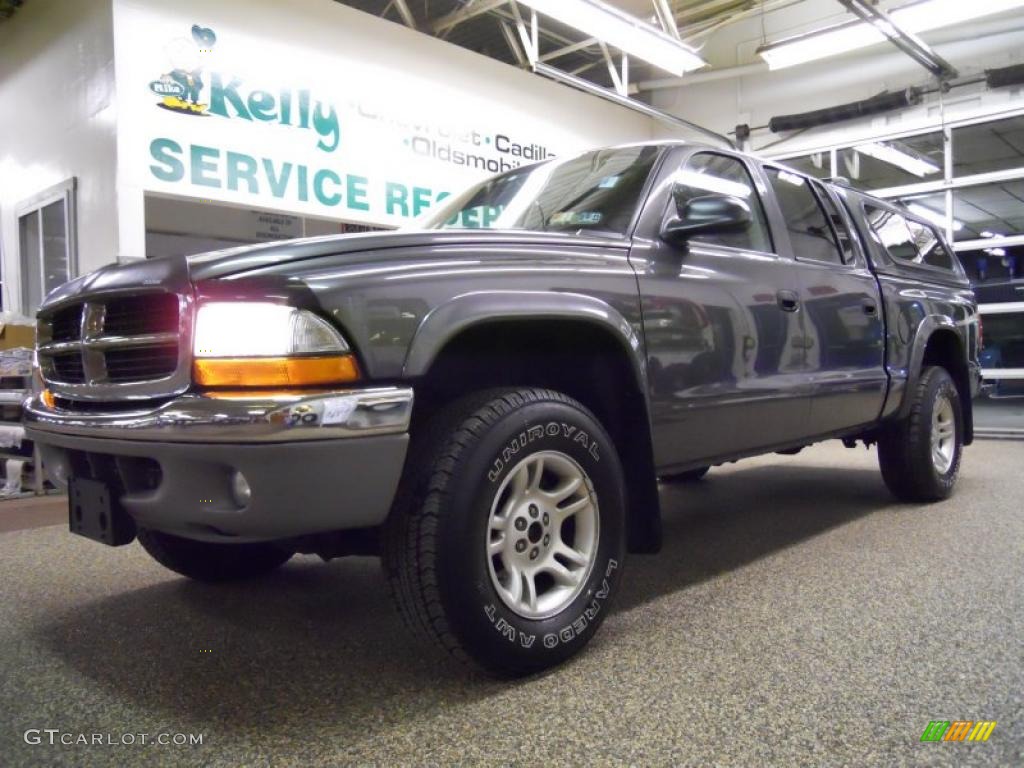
[892, 155]
[623, 31]
[936, 218]
[915, 18]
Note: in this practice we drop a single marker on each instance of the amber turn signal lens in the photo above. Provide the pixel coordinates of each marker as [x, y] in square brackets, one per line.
[274, 371]
[47, 397]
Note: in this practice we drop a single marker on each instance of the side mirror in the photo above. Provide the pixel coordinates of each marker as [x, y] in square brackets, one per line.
[706, 215]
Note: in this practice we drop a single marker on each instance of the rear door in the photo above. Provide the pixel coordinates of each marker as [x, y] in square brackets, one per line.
[719, 322]
[841, 309]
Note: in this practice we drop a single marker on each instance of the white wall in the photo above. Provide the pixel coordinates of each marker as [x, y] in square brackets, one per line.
[418, 89]
[57, 121]
[756, 97]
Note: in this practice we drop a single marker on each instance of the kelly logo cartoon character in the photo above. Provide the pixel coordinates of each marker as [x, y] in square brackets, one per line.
[181, 88]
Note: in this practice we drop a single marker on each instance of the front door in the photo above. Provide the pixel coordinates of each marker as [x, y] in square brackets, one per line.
[721, 324]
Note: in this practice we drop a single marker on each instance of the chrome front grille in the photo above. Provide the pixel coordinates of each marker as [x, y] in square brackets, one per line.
[111, 347]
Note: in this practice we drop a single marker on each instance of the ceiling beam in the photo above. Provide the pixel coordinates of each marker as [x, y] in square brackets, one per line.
[403, 10]
[565, 50]
[471, 9]
[513, 44]
[909, 43]
[666, 18]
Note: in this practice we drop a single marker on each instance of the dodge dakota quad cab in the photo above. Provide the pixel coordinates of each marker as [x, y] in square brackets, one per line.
[488, 402]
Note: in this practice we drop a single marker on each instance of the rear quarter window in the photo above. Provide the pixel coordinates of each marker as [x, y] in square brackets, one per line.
[909, 242]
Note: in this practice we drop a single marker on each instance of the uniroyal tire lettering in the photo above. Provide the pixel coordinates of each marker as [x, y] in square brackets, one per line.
[536, 432]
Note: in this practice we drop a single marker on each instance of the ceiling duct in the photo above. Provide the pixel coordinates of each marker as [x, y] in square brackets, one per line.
[1005, 76]
[883, 102]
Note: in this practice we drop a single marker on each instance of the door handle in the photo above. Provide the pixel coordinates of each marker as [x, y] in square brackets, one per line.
[870, 308]
[788, 301]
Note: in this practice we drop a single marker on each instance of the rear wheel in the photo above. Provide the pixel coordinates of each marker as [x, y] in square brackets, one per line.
[207, 561]
[506, 542]
[920, 456]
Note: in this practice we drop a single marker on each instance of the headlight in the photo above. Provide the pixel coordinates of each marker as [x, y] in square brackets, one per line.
[258, 344]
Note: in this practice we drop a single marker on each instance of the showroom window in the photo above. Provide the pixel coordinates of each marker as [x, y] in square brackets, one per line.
[973, 191]
[991, 146]
[709, 173]
[810, 232]
[816, 164]
[46, 242]
[996, 272]
[988, 211]
[894, 162]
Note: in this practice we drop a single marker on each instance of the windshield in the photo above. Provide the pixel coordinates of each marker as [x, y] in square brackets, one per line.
[598, 191]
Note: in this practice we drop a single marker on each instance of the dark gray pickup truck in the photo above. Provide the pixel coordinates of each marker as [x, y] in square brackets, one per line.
[489, 402]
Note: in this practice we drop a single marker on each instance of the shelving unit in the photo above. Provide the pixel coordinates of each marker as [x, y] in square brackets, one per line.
[15, 384]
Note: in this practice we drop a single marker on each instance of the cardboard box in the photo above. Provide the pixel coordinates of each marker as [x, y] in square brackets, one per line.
[17, 336]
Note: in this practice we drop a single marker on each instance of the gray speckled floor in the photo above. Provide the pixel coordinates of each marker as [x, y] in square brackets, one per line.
[797, 616]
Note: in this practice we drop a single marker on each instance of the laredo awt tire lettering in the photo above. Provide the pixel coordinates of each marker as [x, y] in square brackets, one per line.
[506, 541]
[920, 456]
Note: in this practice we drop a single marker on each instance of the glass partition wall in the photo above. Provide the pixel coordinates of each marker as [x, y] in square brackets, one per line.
[967, 178]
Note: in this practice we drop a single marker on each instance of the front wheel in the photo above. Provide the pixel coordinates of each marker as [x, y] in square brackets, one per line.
[920, 455]
[506, 542]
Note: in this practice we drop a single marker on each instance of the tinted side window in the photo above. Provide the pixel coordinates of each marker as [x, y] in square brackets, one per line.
[909, 241]
[892, 231]
[707, 173]
[929, 245]
[809, 231]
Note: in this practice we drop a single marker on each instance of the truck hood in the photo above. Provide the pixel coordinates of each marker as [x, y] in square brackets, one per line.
[351, 249]
[177, 273]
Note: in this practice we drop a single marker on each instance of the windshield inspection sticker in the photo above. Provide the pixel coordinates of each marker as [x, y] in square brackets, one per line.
[576, 218]
[337, 410]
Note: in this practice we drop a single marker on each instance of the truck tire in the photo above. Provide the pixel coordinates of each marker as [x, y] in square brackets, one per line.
[691, 476]
[506, 541]
[920, 455]
[206, 561]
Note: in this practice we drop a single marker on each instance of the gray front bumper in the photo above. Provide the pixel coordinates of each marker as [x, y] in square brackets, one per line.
[314, 464]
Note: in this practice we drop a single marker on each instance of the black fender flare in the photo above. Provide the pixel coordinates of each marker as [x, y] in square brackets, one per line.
[926, 329]
[448, 320]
